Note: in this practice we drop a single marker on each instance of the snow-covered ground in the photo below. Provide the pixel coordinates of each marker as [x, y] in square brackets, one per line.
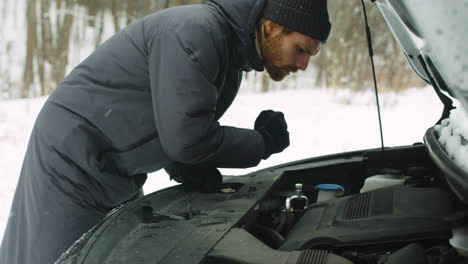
[320, 122]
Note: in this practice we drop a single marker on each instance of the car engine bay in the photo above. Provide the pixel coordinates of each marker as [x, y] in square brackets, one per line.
[401, 205]
[401, 213]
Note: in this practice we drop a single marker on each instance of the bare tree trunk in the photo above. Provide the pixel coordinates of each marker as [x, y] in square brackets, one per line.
[60, 13]
[131, 11]
[115, 14]
[63, 44]
[166, 3]
[45, 47]
[147, 6]
[46, 30]
[265, 83]
[28, 74]
[100, 31]
[92, 12]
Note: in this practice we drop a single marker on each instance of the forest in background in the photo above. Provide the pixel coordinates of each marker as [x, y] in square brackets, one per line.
[58, 34]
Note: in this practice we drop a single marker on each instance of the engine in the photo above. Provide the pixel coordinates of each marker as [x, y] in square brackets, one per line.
[405, 215]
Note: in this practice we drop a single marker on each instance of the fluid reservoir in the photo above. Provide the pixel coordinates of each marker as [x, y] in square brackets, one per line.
[329, 191]
[381, 181]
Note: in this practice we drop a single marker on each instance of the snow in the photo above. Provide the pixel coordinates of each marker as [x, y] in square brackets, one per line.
[453, 135]
[320, 121]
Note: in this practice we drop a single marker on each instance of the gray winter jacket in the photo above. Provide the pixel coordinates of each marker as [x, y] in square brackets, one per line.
[157, 88]
[149, 96]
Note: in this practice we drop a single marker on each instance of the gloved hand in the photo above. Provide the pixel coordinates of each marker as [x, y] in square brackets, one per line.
[273, 127]
[195, 177]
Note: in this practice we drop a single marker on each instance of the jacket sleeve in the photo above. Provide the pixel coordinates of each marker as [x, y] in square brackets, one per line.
[183, 66]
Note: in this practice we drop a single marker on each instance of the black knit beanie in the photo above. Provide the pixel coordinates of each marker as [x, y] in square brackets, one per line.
[308, 17]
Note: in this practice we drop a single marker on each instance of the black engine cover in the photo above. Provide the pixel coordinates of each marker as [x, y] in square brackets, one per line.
[381, 216]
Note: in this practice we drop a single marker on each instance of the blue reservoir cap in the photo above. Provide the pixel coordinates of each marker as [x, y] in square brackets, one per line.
[330, 187]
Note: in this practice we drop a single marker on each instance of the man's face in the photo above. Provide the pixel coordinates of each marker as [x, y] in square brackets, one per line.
[284, 53]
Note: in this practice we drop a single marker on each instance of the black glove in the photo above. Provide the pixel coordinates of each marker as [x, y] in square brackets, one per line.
[274, 130]
[195, 177]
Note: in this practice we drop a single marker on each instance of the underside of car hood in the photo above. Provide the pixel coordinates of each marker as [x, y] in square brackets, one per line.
[433, 36]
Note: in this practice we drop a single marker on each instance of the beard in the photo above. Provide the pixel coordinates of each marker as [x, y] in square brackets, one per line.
[271, 48]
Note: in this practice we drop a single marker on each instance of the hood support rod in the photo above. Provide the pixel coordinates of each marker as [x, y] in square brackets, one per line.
[371, 55]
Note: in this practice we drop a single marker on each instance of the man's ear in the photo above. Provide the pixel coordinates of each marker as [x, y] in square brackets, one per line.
[267, 27]
[271, 29]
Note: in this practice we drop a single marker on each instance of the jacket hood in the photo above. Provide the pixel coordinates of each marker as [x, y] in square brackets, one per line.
[243, 15]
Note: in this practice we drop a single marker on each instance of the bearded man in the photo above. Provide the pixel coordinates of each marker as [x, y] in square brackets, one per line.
[149, 98]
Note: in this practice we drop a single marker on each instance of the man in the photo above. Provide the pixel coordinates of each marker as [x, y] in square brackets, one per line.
[149, 98]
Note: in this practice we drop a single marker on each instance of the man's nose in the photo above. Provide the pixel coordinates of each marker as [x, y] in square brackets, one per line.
[302, 62]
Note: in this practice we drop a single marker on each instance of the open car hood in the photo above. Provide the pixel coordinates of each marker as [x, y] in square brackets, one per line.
[433, 35]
